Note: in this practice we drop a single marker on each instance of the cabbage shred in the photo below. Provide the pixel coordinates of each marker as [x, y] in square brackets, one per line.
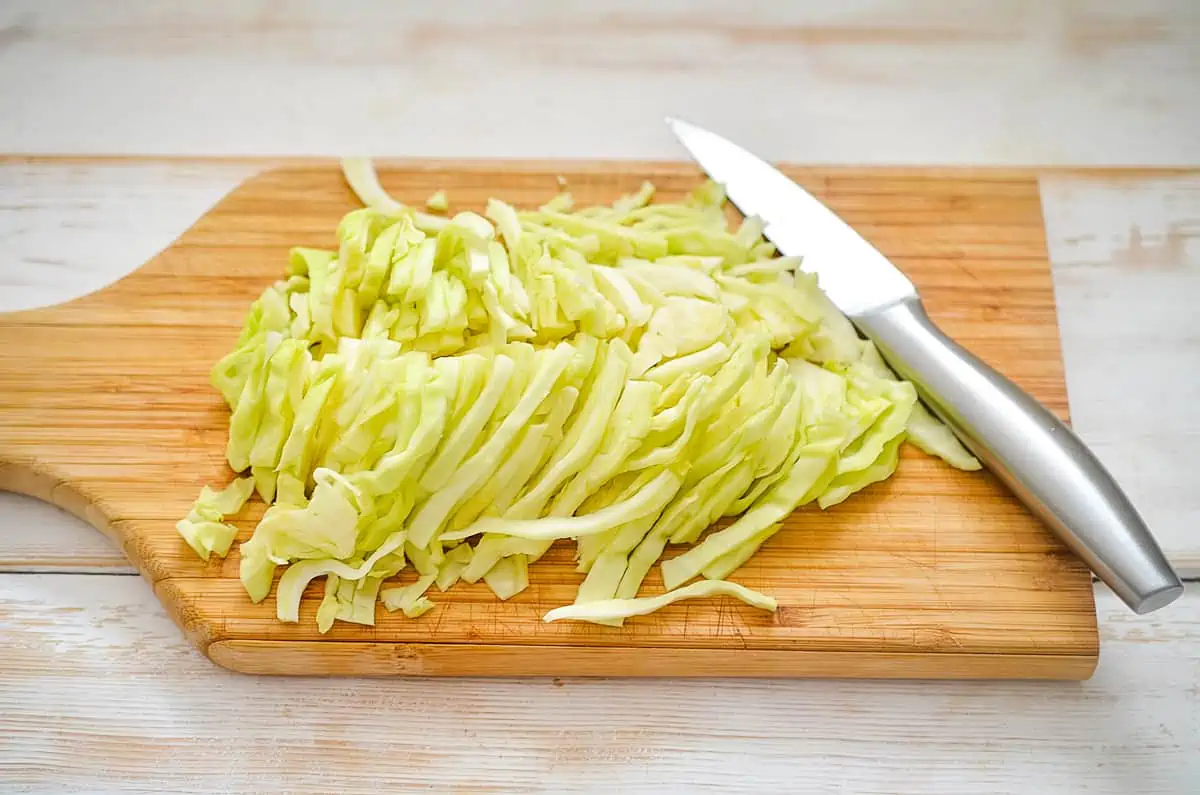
[451, 395]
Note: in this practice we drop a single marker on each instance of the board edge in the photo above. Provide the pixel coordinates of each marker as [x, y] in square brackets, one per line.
[384, 659]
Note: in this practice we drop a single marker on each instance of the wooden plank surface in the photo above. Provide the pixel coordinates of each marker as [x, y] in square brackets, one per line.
[100, 693]
[108, 413]
[1070, 82]
[1004, 82]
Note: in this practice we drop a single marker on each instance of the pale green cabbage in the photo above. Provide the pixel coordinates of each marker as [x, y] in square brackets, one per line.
[609, 609]
[453, 395]
[437, 202]
[204, 528]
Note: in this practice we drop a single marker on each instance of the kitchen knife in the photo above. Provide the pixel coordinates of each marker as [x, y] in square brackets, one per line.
[1041, 460]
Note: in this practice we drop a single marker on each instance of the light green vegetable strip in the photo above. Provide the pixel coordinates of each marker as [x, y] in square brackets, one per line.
[425, 560]
[207, 537]
[924, 430]
[765, 268]
[243, 424]
[298, 451]
[732, 375]
[401, 464]
[325, 527]
[836, 341]
[616, 490]
[674, 280]
[299, 575]
[627, 428]
[492, 548]
[523, 470]
[609, 609]
[228, 500]
[782, 435]
[633, 201]
[204, 529]
[649, 500]
[933, 437]
[256, 570]
[716, 502]
[665, 455]
[420, 607]
[651, 547]
[668, 421]
[360, 173]
[727, 564]
[452, 566]
[605, 572]
[437, 202]
[328, 609]
[776, 504]
[284, 392]
[410, 599]
[679, 326]
[703, 361]
[585, 435]
[508, 577]
[891, 423]
[362, 606]
[844, 485]
[509, 477]
[432, 515]
[466, 430]
[345, 598]
[746, 435]
[614, 287]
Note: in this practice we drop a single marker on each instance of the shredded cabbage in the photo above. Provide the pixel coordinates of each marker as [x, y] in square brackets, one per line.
[437, 202]
[609, 609]
[924, 430]
[204, 528]
[453, 395]
[410, 599]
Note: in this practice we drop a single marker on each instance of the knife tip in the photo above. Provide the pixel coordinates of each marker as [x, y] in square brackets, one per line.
[675, 123]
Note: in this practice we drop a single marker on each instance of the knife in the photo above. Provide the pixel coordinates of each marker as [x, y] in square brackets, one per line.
[1029, 449]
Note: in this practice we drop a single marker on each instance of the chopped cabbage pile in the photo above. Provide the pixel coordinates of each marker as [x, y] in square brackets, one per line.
[452, 395]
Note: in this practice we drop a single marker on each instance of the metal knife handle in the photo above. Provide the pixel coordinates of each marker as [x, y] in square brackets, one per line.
[1031, 451]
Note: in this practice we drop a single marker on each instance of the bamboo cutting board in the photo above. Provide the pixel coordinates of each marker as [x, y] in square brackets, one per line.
[106, 411]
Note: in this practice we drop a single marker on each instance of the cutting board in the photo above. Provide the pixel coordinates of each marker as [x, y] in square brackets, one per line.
[106, 411]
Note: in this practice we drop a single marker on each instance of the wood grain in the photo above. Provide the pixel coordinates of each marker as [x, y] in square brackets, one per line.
[301, 658]
[1009, 82]
[100, 693]
[114, 421]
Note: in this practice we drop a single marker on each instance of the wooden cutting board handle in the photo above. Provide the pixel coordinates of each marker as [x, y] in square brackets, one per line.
[73, 405]
[106, 411]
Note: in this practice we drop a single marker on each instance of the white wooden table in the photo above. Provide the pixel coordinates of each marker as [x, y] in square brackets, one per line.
[98, 690]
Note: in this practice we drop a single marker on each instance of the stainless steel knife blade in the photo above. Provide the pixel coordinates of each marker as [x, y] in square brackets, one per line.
[852, 272]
